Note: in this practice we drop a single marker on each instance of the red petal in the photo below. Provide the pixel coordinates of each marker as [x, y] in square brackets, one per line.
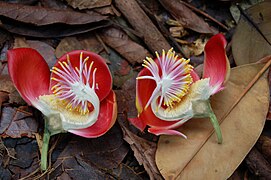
[106, 119]
[158, 132]
[29, 73]
[138, 123]
[216, 63]
[103, 76]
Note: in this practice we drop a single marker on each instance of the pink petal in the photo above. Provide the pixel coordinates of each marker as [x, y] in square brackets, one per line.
[216, 65]
[103, 76]
[106, 119]
[158, 132]
[29, 73]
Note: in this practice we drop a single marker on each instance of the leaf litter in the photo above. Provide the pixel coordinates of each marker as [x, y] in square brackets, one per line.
[124, 33]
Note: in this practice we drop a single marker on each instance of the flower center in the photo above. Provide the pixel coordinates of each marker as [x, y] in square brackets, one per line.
[72, 85]
[172, 77]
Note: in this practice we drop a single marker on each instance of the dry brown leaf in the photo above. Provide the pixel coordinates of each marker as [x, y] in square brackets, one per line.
[88, 4]
[44, 16]
[129, 49]
[248, 45]
[43, 48]
[92, 157]
[187, 17]
[58, 30]
[90, 43]
[106, 10]
[66, 45]
[87, 42]
[200, 157]
[144, 152]
[17, 123]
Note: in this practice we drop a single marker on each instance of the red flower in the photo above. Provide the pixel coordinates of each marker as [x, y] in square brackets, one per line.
[76, 97]
[169, 92]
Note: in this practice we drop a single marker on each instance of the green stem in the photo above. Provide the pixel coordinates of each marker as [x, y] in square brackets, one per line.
[215, 124]
[45, 145]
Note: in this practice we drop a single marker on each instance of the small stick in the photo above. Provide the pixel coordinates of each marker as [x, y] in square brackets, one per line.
[103, 44]
[248, 87]
[25, 112]
[205, 14]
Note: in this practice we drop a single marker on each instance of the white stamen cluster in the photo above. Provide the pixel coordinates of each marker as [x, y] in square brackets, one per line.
[73, 84]
[172, 77]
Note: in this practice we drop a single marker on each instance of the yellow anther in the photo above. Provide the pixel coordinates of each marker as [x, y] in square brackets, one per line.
[55, 79]
[86, 59]
[81, 55]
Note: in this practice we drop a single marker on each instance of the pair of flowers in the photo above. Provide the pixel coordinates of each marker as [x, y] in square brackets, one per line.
[77, 95]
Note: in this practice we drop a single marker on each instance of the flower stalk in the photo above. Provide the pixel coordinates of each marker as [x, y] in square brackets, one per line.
[215, 124]
[45, 146]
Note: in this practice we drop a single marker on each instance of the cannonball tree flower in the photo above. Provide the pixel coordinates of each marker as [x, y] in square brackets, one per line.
[75, 97]
[169, 92]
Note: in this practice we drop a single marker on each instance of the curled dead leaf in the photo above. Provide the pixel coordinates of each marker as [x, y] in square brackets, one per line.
[200, 157]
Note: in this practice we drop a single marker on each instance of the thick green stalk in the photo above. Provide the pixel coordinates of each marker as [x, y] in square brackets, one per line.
[45, 146]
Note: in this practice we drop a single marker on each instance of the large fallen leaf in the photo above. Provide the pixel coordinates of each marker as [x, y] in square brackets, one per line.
[187, 17]
[248, 45]
[44, 16]
[88, 4]
[200, 156]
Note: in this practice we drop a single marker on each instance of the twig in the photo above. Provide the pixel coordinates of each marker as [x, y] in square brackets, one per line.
[248, 87]
[205, 14]
[25, 112]
[252, 23]
[103, 44]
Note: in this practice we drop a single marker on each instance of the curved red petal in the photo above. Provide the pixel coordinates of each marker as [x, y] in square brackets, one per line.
[158, 132]
[29, 73]
[106, 119]
[103, 76]
[216, 63]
